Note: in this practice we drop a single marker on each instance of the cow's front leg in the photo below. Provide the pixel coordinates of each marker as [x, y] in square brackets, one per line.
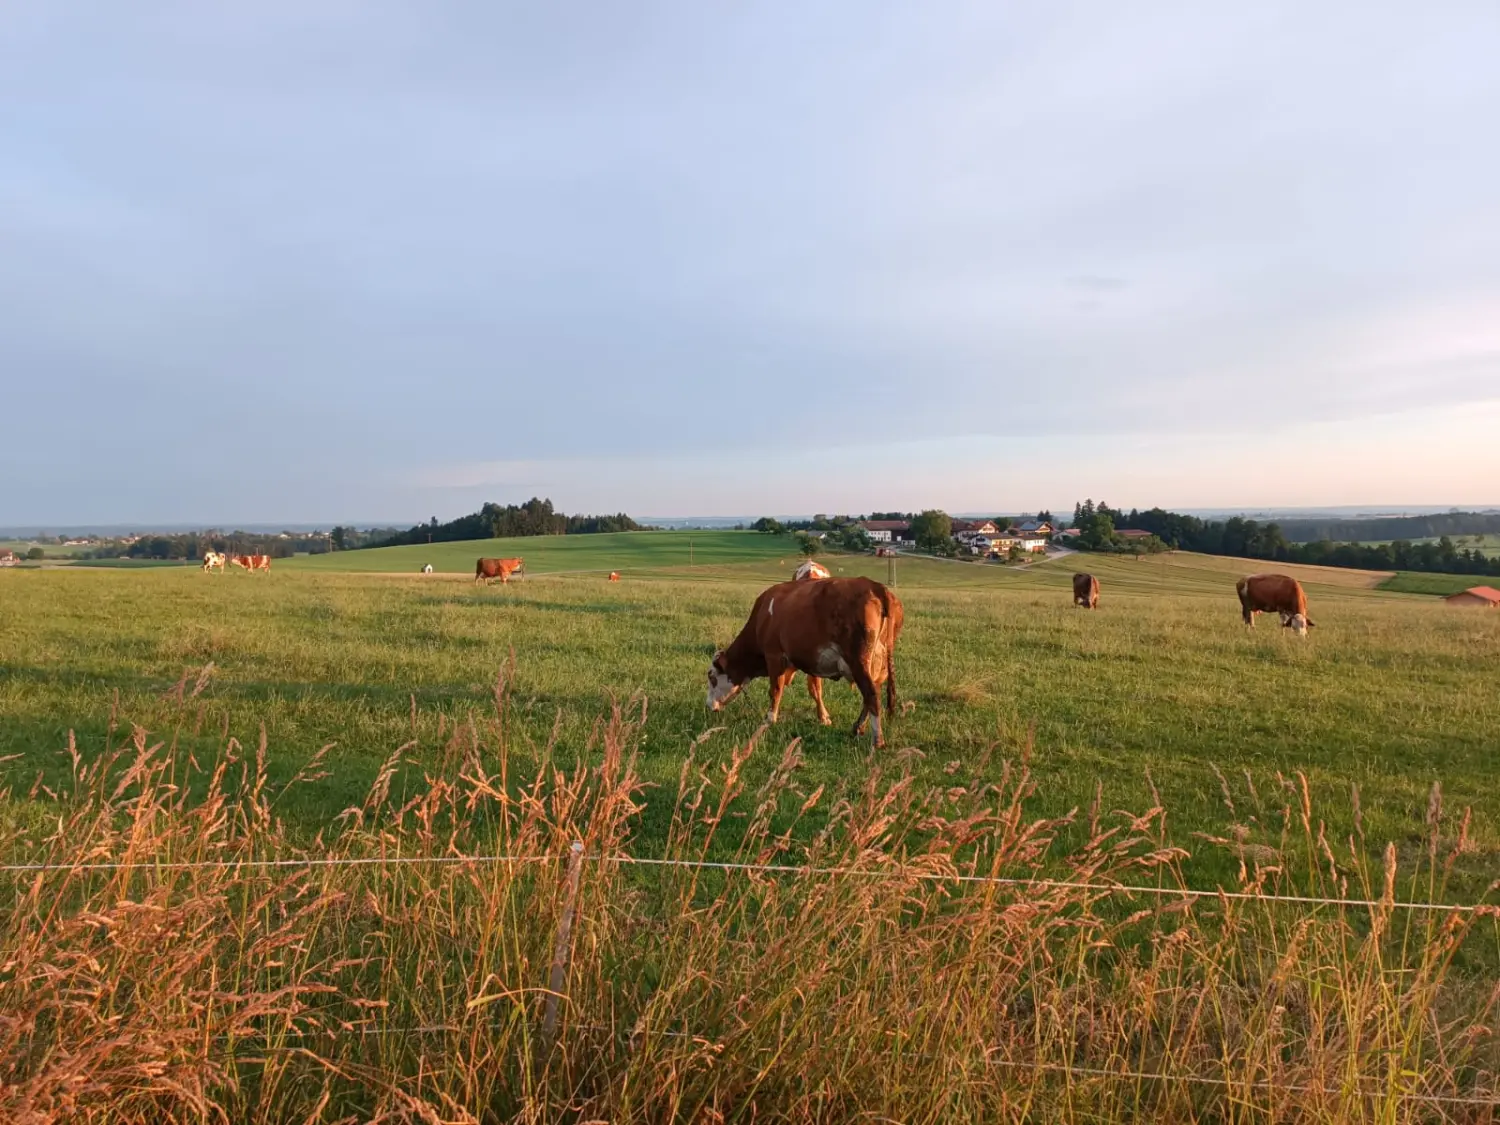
[779, 675]
[815, 689]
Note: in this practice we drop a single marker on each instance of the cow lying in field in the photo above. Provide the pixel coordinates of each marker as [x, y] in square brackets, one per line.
[1274, 593]
[485, 569]
[810, 569]
[834, 628]
[1086, 591]
[614, 576]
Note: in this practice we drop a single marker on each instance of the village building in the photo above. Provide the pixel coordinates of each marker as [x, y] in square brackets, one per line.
[887, 531]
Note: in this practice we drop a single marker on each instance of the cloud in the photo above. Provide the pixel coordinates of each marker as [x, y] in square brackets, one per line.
[353, 242]
[1097, 283]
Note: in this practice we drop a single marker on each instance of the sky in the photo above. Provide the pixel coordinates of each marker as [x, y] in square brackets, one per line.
[369, 261]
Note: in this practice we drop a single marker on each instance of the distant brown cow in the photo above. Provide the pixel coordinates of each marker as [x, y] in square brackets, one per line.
[832, 628]
[1274, 593]
[485, 569]
[810, 570]
[1086, 591]
[251, 562]
[614, 576]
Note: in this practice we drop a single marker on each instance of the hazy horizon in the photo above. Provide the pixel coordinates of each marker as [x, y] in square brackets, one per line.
[283, 261]
[680, 522]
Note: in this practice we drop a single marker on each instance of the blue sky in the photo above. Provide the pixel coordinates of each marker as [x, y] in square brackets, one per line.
[382, 261]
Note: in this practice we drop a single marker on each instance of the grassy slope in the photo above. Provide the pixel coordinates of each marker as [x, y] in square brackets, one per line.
[1390, 692]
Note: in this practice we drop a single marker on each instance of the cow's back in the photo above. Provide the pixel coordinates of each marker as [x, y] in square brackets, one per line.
[1272, 593]
[801, 618]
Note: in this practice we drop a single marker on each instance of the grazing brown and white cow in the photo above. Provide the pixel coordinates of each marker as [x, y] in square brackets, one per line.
[251, 562]
[614, 576]
[485, 569]
[810, 569]
[1086, 591]
[834, 628]
[212, 559]
[1274, 593]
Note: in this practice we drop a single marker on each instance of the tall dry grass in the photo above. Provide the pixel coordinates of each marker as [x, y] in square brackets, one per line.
[223, 971]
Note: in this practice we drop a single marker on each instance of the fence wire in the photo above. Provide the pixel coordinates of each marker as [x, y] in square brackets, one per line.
[892, 874]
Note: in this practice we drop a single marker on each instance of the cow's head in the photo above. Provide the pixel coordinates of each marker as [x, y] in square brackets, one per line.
[1297, 623]
[721, 689]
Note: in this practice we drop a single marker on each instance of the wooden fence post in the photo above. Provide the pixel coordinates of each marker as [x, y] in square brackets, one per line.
[561, 947]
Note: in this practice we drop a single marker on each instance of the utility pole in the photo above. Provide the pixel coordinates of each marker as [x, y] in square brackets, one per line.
[690, 550]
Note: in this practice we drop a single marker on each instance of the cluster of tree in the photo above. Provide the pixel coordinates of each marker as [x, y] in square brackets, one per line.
[194, 544]
[933, 532]
[840, 532]
[1246, 538]
[492, 521]
[1098, 526]
[351, 538]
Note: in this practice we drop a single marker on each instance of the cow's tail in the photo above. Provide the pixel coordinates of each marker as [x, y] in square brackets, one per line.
[890, 627]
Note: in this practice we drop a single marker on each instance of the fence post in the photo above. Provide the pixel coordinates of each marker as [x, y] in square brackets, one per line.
[560, 948]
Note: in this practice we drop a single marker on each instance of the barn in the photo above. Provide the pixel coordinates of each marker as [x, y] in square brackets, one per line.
[1482, 596]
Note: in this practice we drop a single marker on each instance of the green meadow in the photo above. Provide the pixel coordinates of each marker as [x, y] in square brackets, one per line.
[1160, 696]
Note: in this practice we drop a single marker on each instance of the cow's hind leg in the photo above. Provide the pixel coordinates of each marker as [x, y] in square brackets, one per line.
[815, 689]
[871, 699]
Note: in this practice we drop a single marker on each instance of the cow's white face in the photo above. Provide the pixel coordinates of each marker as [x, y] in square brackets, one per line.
[720, 688]
[1297, 624]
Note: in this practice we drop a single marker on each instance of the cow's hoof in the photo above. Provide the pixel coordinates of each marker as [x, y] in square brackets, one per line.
[825, 721]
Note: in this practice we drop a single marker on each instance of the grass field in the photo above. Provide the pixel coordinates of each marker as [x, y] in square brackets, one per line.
[1389, 693]
[622, 551]
[1439, 585]
[373, 722]
[134, 564]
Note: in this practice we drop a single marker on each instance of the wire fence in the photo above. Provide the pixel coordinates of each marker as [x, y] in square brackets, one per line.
[294, 1039]
[892, 874]
[1478, 1100]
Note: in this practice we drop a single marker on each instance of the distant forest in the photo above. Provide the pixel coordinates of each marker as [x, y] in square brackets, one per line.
[192, 545]
[1246, 538]
[1392, 527]
[535, 517]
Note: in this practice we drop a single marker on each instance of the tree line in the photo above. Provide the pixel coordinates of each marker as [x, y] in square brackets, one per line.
[494, 521]
[1238, 537]
[194, 544]
[1390, 528]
